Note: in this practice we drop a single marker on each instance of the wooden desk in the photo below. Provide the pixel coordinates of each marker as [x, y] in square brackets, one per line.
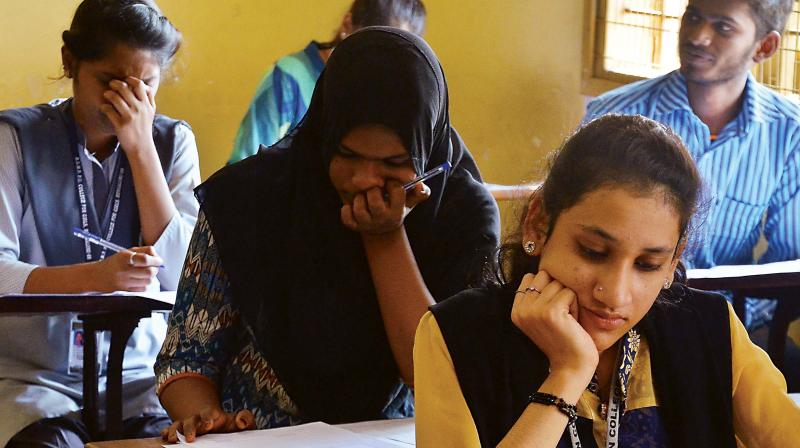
[118, 314]
[784, 287]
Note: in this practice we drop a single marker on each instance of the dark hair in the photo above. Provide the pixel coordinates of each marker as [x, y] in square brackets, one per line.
[770, 15]
[628, 151]
[98, 25]
[389, 13]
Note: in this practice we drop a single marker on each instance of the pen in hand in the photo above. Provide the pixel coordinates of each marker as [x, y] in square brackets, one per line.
[443, 168]
[94, 239]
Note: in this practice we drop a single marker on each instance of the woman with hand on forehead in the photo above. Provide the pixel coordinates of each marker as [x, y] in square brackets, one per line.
[104, 162]
[589, 337]
[311, 264]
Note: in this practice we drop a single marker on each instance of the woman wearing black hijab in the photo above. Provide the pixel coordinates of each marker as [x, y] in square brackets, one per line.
[311, 266]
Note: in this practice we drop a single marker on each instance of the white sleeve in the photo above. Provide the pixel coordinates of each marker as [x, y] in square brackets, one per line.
[13, 273]
[185, 176]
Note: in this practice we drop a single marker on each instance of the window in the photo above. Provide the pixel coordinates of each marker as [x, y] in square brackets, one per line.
[638, 39]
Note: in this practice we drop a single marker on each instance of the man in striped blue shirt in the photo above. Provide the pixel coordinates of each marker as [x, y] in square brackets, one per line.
[744, 137]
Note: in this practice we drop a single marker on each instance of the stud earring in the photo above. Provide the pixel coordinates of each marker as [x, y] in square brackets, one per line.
[530, 247]
[667, 283]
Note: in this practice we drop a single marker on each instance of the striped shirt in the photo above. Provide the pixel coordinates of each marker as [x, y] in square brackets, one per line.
[280, 101]
[751, 170]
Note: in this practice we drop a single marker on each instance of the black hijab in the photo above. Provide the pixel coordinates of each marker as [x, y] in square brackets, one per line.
[299, 278]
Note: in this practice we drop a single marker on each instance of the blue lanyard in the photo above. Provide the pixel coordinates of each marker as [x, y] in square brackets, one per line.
[629, 346]
[81, 190]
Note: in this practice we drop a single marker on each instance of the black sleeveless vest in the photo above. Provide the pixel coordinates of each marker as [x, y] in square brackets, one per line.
[498, 367]
[48, 171]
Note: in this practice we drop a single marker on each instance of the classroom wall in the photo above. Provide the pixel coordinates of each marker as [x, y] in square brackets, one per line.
[513, 67]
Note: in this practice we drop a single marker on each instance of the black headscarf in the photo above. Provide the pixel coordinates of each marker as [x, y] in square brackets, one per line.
[299, 278]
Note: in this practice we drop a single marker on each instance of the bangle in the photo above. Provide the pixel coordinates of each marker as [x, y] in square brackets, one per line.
[570, 410]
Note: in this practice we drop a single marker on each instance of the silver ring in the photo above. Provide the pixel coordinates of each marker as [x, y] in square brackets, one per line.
[529, 289]
[130, 260]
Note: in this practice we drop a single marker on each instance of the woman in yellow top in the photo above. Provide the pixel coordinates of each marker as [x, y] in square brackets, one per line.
[589, 337]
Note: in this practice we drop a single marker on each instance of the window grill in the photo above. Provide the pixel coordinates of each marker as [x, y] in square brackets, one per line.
[638, 39]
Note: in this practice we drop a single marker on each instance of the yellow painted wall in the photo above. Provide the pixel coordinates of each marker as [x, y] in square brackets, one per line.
[513, 66]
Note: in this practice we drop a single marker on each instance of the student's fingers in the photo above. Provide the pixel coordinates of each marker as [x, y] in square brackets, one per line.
[561, 303]
[517, 308]
[149, 250]
[142, 276]
[532, 301]
[208, 421]
[137, 277]
[245, 420]
[138, 88]
[397, 197]
[124, 90]
[240, 421]
[360, 210]
[143, 260]
[541, 279]
[151, 97]
[189, 430]
[534, 283]
[418, 194]
[143, 91]
[375, 203]
[119, 104]
[526, 281]
[549, 291]
[347, 217]
[574, 309]
[172, 432]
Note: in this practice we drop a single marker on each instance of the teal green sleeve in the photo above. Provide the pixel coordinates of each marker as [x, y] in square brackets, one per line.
[276, 108]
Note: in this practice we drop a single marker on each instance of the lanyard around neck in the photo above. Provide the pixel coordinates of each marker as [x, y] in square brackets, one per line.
[81, 191]
[618, 393]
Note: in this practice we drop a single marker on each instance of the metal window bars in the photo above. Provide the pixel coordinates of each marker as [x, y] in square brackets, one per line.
[638, 39]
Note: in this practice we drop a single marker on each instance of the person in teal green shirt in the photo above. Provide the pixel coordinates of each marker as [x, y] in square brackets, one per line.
[282, 97]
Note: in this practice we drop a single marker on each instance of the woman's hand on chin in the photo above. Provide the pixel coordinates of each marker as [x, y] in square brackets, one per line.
[378, 211]
[207, 421]
[547, 312]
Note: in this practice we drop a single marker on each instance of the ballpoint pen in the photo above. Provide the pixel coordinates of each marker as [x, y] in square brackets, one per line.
[94, 239]
[443, 168]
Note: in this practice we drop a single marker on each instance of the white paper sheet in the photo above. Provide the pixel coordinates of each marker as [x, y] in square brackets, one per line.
[746, 270]
[318, 435]
[397, 430]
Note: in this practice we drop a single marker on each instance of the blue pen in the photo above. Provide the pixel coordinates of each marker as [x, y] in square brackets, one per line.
[94, 239]
[443, 168]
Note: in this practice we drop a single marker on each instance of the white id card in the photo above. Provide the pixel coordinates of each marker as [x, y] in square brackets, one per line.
[76, 342]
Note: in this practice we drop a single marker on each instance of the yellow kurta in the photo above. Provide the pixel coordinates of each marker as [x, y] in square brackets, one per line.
[763, 413]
